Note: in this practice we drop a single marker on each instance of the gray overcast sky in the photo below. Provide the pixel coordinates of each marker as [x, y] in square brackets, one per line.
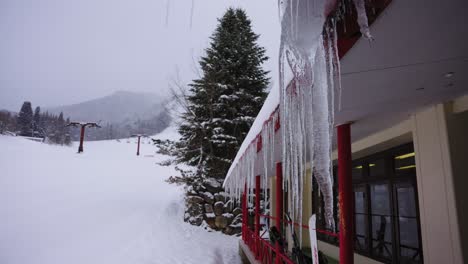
[55, 52]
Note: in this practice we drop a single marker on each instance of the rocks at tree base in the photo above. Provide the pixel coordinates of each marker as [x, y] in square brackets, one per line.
[196, 220]
[213, 185]
[194, 199]
[233, 230]
[213, 210]
[237, 220]
[208, 197]
[221, 222]
[237, 211]
[228, 206]
[219, 208]
[210, 219]
[221, 197]
[195, 209]
[208, 208]
[229, 217]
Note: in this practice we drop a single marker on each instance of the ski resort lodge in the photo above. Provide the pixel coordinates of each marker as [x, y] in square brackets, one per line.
[400, 148]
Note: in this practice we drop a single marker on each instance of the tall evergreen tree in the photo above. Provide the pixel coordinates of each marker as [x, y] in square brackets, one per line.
[224, 102]
[25, 119]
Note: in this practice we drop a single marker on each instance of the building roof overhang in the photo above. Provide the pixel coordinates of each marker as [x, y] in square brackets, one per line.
[419, 57]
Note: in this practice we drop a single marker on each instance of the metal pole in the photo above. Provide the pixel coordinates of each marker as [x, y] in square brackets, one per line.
[279, 206]
[346, 199]
[80, 148]
[257, 216]
[138, 148]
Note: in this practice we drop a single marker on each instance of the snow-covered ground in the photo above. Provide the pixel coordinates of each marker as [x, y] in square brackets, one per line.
[105, 205]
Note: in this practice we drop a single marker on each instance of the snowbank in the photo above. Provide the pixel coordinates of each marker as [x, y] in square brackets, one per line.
[103, 206]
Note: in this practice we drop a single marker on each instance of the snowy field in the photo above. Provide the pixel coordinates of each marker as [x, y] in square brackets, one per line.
[103, 206]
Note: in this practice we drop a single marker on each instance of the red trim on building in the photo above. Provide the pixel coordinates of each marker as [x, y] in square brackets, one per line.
[259, 143]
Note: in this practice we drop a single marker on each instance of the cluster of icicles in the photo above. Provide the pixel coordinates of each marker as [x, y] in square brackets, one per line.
[309, 76]
[253, 160]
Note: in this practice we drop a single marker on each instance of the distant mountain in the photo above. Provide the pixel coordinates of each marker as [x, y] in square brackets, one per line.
[120, 114]
[119, 107]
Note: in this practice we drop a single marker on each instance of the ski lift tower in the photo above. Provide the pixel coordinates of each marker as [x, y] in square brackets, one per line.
[83, 126]
[139, 136]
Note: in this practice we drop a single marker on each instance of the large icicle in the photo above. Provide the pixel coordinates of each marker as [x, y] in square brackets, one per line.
[306, 97]
[305, 102]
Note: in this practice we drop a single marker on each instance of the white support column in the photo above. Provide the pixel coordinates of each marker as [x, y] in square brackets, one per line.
[439, 224]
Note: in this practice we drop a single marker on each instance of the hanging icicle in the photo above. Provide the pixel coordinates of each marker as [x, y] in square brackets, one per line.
[362, 18]
[309, 75]
[307, 101]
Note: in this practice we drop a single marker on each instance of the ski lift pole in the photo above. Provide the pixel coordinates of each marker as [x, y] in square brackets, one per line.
[138, 148]
[83, 126]
[138, 145]
[82, 133]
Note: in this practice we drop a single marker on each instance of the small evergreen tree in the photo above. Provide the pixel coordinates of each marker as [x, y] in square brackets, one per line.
[25, 119]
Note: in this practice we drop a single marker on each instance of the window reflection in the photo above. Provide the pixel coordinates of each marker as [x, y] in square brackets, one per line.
[408, 224]
[406, 202]
[386, 209]
[380, 199]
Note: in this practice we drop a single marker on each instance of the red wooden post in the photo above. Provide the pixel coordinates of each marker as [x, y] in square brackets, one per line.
[245, 214]
[345, 194]
[257, 216]
[279, 206]
[80, 148]
[138, 148]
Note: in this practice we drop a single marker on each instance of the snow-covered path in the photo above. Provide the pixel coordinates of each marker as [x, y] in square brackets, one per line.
[103, 206]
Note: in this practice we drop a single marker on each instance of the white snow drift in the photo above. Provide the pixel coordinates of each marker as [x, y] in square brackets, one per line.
[103, 206]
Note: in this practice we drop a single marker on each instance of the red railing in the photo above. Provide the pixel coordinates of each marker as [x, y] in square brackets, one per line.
[326, 232]
[263, 250]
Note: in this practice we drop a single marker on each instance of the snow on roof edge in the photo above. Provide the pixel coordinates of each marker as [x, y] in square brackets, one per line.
[269, 107]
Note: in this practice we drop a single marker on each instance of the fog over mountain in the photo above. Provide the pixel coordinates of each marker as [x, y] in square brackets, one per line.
[120, 114]
[121, 106]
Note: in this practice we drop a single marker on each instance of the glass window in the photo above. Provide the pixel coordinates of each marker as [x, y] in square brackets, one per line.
[381, 220]
[386, 208]
[358, 171]
[361, 216]
[406, 201]
[380, 199]
[377, 168]
[408, 224]
[382, 236]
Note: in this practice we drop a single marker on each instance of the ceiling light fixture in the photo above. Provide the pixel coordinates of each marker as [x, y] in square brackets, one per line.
[449, 74]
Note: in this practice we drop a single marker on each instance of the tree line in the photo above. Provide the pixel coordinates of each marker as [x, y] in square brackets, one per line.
[28, 123]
